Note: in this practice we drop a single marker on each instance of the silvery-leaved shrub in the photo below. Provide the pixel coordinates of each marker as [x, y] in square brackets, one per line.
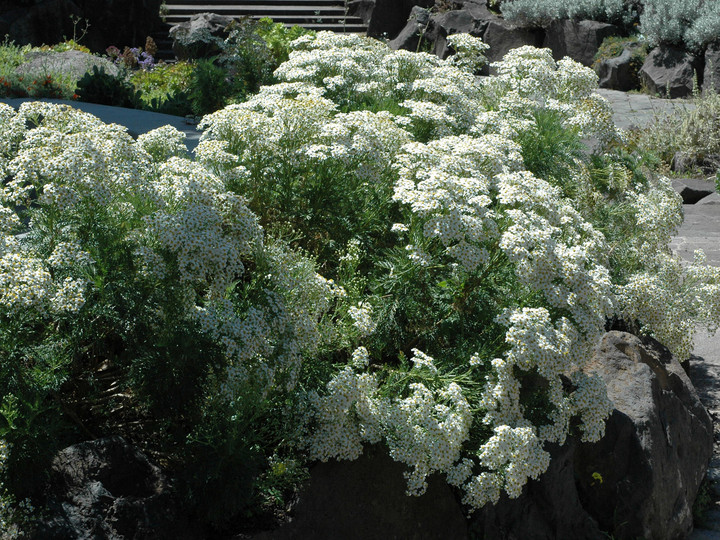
[542, 12]
[689, 23]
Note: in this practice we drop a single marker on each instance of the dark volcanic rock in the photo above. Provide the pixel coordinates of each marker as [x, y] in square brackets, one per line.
[547, 509]
[386, 18]
[619, 73]
[657, 444]
[640, 480]
[503, 36]
[669, 69]
[692, 190]
[365, 500]
[416, 28]
[108, 489]
[580, 40]
[471, 18]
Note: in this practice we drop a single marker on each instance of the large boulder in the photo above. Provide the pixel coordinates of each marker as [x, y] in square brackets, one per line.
[670, 70]
[580, 40]
[365, 500]
[548, 508]
[711, 73]
[620, 72]
[503, 36]
[417, 28]
[470, 18]
[385, 18]
[199, 36]
[657, 444]
[107, 489]
[639, 480]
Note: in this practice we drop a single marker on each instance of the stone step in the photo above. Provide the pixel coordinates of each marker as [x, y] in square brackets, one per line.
[209, 6]
[257, 8]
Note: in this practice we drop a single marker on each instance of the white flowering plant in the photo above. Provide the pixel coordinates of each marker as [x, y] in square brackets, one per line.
[380, 247]
[136, 288]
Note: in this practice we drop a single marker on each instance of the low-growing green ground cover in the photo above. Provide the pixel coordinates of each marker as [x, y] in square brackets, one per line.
[378, 247]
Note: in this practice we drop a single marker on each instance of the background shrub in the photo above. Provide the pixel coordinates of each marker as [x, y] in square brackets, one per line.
[106, 89]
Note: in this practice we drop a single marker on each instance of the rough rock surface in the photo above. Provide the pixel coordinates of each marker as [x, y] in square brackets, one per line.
[650, 464]
[73, 64]
[547, 509]
[470, 18]
[669, 69]
[193, 38]
[417, 27]
[503, 36]
[365, 500]
[617, 73]
[107, 489]
[711, 73]
[657, 444]
[385, 18]
[580, 40]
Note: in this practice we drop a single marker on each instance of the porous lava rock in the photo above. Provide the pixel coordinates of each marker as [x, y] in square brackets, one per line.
[469, 18]
[657, 445]
[365, 500]
[502, 36]
[639, 480]
[385, 18]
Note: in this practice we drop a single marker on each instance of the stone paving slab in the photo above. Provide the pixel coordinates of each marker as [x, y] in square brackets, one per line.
[632, 110]
[700, 230]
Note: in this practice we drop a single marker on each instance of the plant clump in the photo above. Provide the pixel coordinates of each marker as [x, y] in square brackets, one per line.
[378, 247]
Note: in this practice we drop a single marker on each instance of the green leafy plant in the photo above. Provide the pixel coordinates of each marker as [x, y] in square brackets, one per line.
[106, 89]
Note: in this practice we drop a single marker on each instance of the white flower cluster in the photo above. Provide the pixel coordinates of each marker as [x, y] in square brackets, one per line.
[179, 219]
[447, 184]
[360, 70]
[362, 318]
[425, 430]
[163, 143]
[528, 78]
